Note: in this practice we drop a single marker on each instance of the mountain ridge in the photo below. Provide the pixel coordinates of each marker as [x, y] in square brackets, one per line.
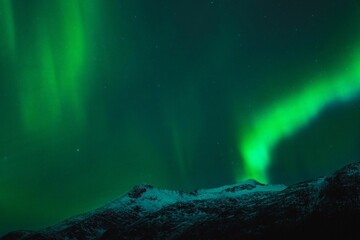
[325, 206]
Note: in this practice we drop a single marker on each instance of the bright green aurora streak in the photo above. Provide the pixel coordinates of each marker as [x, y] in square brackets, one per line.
[286, 117]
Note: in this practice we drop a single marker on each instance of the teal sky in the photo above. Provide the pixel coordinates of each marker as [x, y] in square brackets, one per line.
[97, 96]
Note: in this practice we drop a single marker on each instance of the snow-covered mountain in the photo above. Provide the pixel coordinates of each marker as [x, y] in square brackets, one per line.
[327, 206]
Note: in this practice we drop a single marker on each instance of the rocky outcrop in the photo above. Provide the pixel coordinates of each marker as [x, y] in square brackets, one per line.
[327, 207]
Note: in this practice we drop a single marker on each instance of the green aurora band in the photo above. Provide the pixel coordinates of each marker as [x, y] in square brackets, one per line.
[52, 90]
[286, 117]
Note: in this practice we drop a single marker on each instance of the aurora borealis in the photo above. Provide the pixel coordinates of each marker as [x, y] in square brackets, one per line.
[284, 118]
[97, 96]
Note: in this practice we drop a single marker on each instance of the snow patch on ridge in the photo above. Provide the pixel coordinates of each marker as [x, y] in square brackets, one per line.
[152, 199]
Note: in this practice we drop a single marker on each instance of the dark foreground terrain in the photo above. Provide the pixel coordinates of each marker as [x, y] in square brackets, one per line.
[327, 207]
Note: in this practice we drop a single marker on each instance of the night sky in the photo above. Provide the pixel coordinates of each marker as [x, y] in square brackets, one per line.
[97, 96]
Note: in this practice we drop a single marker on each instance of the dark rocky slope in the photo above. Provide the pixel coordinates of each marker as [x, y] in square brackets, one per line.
[326, 207]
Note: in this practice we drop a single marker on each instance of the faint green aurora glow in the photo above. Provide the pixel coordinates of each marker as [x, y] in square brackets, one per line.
[52, 90]
[44, 93]
[73, 55]
[179, 151]
[286, 117]
[7, 25]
